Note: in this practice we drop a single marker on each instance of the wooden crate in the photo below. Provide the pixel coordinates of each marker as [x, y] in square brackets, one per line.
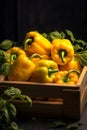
[71, 103]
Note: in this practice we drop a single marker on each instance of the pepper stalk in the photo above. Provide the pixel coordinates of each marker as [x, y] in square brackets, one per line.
[62, 53]
[44, 71]
[66, 78]
[34, 42]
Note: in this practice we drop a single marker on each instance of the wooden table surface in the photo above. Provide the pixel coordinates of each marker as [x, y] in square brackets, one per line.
[27, 123]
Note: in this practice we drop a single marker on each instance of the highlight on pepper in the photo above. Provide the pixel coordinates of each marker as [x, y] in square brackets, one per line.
[21, 69]
[34, 42]
[44, 71]
[67, 77]
[62, 51]
[50, 58]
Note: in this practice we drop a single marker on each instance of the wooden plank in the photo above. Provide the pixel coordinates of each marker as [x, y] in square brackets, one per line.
[37, 91]
[39, 109]
[83, 98]
[82, 76]
[82, 80]
[71, 104]
[73, 97]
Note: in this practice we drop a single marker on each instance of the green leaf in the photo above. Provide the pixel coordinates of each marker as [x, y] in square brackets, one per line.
[78, 48]
[2, 103]
[26, 99]
[70, 34]
[72, 126]
[83, 61]
[55, 34]
[3, 56]
[12, 126]
[11, 91]
[57, 124]
[81, 42]
[6, 44]
[5, 115]
[16, 93]
[45, 35]
[82, 57]
[8, 110]
[5, 68]
[62, 34]
[11, 110]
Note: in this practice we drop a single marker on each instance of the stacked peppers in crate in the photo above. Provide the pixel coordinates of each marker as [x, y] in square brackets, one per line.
[56, 60]
[55, 57]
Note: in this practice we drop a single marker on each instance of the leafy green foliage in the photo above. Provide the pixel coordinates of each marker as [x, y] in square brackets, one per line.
[3, 56]
[80, 46]
[64, 124]
[6, 44]
[82, 57]
[57, 124]
[53, 35]
[72, 126]
[4, 68]
[10, 91]
[4, 65]
[8, 110]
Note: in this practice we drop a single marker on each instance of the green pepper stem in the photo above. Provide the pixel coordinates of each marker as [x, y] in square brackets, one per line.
[28, 41]
[13, 57]
[51, 71]
[70, 71]
[66, 78]
[35, 55]
[62, 54]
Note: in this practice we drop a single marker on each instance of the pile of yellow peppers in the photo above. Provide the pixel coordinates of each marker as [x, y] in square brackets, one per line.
[43, 61]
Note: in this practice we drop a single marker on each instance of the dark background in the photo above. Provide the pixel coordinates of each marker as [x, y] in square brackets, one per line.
[20, 16]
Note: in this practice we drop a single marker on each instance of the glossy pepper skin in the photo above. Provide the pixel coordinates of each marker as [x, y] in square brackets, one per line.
[21, 69]
[14, 52]
[36, 57]
[62, 51]
[44, 71]
[73, 64]
[67, 77]
[35, 43]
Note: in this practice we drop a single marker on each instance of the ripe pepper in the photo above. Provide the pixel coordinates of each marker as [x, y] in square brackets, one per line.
[73, 64]
[36, 57]
[21, 69]
[14, 52]
[67, 77]
[62, 51]
[44, 71]
[36, 43]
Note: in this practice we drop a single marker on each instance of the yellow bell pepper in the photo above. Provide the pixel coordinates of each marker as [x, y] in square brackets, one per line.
[34, 42]
[14, 52]
[62, 51]
[44, 71]
[36, 57]
[73, 64]
[67, 77]
[21, 69]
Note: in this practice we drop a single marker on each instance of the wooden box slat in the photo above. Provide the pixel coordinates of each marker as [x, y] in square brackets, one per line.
[71, 103]
[71, 99]
[41, 109]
